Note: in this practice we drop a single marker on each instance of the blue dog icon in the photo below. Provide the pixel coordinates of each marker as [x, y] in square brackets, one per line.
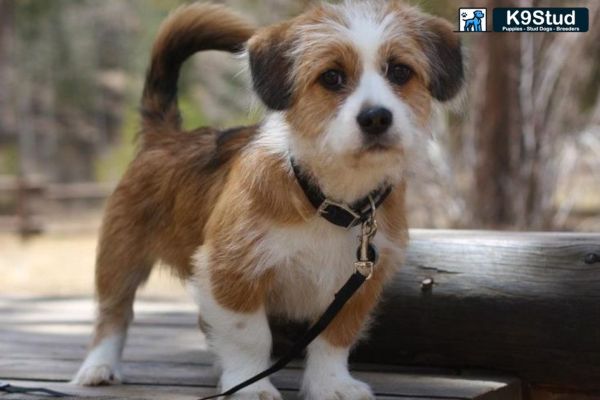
[474, 24]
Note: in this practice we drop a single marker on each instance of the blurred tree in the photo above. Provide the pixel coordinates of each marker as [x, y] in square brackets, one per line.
[71, 73]
[527, 93]
[68, 103]
[6, 36]
[497, 122]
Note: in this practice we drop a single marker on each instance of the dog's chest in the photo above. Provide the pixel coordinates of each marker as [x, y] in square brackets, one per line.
[311, 262]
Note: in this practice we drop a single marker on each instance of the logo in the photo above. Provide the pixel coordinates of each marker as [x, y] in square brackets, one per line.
[472, 19]
[550, 19]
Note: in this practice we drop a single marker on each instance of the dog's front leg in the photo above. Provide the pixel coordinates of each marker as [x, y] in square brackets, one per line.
[327, 376]
[237, 329]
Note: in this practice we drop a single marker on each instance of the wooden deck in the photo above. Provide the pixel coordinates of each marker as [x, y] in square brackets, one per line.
[42, 342]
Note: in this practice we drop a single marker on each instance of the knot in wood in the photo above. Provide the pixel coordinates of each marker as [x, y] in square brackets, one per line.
[591, 258]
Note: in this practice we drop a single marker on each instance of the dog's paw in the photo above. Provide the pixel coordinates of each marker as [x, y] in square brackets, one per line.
[346, 388]
[96, 375]
[262, 395]
[262, 390]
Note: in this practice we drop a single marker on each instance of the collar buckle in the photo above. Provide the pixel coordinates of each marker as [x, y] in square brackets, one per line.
[322, 210]
[340, 214]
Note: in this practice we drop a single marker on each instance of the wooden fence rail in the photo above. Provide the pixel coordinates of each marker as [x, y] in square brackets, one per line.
[30, 195]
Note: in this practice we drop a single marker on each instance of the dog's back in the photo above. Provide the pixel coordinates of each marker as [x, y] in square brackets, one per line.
[170, 159]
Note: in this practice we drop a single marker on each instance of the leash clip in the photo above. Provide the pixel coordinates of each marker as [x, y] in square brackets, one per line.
[367, 253]
[365, 268]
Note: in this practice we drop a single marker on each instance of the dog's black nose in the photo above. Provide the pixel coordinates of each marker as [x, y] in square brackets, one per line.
[375, 120]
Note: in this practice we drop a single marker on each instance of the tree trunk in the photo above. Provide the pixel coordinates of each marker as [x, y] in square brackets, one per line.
[6, 34]
[497, 121]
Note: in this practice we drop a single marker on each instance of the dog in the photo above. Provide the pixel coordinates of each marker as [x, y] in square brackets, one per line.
[474, 24]
[349, 91]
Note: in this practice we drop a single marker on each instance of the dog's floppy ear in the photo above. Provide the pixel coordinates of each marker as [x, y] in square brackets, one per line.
[443, 48]
[270, 65]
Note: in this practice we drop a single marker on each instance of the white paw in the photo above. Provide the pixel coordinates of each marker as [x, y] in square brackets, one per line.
[346, 388]
[95, 375]
[262, 390]
[256, 396]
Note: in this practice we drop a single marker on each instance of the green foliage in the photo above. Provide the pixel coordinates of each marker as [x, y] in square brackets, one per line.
[191, 114]
[9, 160]
[110, 166]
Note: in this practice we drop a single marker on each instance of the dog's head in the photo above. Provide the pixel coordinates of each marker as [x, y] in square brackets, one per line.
[478, 14]
[355, 81]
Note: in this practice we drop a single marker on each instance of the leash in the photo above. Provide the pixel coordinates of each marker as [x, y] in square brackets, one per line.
[366, 260]
[7, 388]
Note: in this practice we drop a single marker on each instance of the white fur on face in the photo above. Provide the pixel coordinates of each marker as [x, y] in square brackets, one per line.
[344, 135]
[368, 30]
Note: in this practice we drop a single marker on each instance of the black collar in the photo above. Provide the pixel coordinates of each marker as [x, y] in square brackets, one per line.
[340, 214]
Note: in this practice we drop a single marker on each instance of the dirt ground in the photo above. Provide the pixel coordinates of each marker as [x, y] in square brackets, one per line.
[63, 265]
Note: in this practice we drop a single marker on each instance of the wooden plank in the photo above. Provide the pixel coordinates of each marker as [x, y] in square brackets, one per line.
[169, 374]
[70, 343]
[30, 353]
[184, 366]
[157, 392]
[524, 303]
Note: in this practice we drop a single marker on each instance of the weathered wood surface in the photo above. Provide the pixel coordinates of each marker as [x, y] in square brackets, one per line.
[42, 342]
[524, 303]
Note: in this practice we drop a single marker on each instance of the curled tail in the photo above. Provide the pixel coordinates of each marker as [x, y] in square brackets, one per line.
[187, 30]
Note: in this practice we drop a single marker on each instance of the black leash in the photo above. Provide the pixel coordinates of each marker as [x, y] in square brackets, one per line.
[366, 259]
[345, 293]
[7, 388]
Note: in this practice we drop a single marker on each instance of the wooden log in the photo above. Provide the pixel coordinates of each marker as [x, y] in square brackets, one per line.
[523, 303]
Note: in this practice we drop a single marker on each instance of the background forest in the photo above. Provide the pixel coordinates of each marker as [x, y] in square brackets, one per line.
[520, 150]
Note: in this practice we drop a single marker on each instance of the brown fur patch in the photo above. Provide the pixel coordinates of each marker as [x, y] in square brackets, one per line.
[260, 192]
[415, 92]
[158, 212]
[310, 116]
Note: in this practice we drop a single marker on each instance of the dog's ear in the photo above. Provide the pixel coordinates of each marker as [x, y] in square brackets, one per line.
[443, 48]
[270, 65]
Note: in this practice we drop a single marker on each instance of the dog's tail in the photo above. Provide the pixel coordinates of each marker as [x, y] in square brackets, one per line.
[187, 30]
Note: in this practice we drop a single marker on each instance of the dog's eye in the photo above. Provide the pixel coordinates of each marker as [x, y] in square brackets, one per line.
[333, 80]
[399, 73]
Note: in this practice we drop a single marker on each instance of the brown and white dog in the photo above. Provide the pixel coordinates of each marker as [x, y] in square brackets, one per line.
[349, 90]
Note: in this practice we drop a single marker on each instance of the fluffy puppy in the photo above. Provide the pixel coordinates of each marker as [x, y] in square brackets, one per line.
[349, 90]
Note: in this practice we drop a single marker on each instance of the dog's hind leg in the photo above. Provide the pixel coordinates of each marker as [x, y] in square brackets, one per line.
[122, 266]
